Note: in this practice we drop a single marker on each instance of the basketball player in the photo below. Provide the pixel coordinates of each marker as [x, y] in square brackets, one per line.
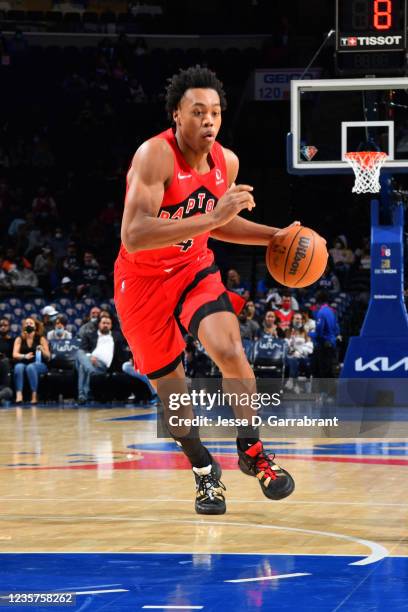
[181, 190]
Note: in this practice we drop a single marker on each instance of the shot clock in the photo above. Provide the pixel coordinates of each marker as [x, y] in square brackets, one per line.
[371, 35]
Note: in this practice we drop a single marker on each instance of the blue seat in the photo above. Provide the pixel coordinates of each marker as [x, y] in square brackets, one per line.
[19, 313]
[270, 355]
[65, 302]
[249, 349]
[79, 307]
[15, 302]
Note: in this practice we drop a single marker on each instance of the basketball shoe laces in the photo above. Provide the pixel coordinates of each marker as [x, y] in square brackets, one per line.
[267, 468]
[209, 486]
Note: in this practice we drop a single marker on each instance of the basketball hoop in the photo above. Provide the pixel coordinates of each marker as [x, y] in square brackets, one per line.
[367, 166]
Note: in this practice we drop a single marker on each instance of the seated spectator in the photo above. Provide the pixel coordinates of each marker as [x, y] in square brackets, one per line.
[88, 279]
[249, 328]
[342, 258]
[6, 340]
[363, 255]
[70, 264]
[197, 363]
[66, 289]
[43, 205]
[24, 280]
[5, 281]
[59, 332]
[274, 299]
[251, 311]
[328, 281]
[98, 352]
[11, 259]
[270, 325]
[44, 267]
[6, 353]
[309, 324]
[58, 242]
[300, 348]
[30, 352]
[129, 368]
[235, 284]
[285, 312]
[49, 314]
[90, 325]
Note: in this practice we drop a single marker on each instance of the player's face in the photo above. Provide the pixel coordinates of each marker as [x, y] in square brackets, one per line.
[198, 118]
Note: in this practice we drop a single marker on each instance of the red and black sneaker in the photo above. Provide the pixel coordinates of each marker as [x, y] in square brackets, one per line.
[276, 483]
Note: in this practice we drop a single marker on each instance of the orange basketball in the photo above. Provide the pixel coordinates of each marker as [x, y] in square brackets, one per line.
[296, 256]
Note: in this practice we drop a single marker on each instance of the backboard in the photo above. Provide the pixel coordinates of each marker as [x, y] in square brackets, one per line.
[331, 117]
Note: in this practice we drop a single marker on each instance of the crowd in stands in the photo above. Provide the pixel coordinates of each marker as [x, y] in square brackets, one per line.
[63, 162]
[78, 336]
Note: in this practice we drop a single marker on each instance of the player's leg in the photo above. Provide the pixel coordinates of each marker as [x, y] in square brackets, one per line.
[219, 334]
[207, 472]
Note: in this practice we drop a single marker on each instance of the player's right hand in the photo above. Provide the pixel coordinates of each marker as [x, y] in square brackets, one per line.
[235, 199]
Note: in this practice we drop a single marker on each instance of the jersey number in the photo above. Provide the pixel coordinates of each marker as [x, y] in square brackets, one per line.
[186, 245]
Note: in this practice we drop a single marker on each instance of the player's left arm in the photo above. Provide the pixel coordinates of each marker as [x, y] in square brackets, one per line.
[240, 230]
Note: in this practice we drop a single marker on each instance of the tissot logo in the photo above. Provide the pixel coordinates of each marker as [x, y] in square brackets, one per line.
[381, 364]
[371, 41]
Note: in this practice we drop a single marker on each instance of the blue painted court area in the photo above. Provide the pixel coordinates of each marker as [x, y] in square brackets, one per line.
[125, 582]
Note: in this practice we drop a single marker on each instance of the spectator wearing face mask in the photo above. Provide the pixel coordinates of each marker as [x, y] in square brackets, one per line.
[91, 323]
[59, 332]
[58, 243]
[30, 352]
[49, 314]
[285, 312]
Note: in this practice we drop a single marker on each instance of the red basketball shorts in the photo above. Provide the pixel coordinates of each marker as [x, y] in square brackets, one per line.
[156, 310]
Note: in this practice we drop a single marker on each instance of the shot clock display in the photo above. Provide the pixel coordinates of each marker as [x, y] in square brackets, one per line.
[371, 37]
[371, 25]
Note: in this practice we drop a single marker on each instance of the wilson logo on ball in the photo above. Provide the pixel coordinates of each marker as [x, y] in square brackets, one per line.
[300, 254]
[296, 256]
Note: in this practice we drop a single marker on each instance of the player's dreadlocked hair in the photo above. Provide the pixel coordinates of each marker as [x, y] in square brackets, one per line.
[195, 76]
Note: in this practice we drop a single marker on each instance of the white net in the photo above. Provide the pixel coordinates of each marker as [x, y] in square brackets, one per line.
[367, 166]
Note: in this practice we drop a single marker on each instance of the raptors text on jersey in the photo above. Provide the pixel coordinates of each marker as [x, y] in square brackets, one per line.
[188, 194]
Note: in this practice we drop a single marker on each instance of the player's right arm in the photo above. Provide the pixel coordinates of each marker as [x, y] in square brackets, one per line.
[150, 173]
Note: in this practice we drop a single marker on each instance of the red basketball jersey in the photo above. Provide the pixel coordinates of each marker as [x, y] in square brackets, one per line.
[189, 194]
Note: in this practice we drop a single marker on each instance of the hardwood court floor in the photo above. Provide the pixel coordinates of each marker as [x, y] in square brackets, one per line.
[81, 480]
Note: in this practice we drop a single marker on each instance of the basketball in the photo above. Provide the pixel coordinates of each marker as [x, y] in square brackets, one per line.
[296, 256]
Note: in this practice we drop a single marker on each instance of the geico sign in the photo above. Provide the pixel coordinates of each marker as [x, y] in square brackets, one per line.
[370, 41]
[381, 364]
